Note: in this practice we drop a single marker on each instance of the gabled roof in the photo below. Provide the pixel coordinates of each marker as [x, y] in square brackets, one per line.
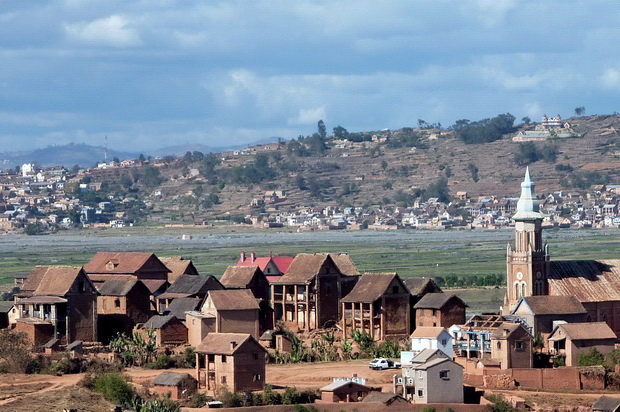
[585, 331]
[178, 266]
[417, 286]
[384, 397]
[434, 362]
[5, 306]
[510, 330]
[52, 280]
[426, 354]
[191, 285]
[587, 280]
[153, 285]
[281, 262]
[117, 287]
[233, 299]
[552, 305]
[171, 378]
[370, 287]
[339, 384]
[226, 343]
[437, 301]
[179, 306]
[427, 332]
[345, 264]
[239, 276]
[120, 262]
[305, 267]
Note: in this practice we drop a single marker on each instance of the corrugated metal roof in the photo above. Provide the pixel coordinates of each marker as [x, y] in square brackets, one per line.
[417, 285]
[171, 378]
[179, 306]
[553, 305]
[587, 331]
[437, 301]
[226, 343]
[117, 287]
[191, 285]
[588, 280]
[157, 321]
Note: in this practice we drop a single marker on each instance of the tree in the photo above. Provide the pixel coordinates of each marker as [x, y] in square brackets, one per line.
[591, 358]
[526, 120]
[340, 132]
[384, 165]
[322, 130]
[141, 158]
[473, 169]
[439, 189]
[580, 111]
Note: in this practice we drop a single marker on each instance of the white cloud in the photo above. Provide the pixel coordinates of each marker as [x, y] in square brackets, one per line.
[308, 116]
[611, 78]
[115, 31]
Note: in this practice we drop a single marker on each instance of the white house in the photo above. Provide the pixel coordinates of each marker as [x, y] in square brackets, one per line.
[438, 380]
[432, 338]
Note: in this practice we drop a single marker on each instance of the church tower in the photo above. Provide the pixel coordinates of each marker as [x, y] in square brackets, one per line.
[527, 259]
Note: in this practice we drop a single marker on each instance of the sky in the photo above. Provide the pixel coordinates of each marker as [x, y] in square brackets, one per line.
[155, 73]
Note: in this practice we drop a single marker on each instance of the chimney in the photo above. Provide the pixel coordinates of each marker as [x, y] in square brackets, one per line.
[253, 256]
[233, 345]
[242, 257]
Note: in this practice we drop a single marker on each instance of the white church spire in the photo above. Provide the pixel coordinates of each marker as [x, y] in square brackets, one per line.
[528, 207]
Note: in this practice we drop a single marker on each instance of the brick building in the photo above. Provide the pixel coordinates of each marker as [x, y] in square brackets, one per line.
[60, 299]
[232, 311]
[440, 309]
[235, 361]
[377, 305]
[178, 267]
[246, 277]
[573, 339]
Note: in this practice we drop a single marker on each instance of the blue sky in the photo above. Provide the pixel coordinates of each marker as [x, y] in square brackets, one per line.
[153, 73]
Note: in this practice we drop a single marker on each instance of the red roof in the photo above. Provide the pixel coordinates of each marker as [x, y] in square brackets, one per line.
[261, 262]
[281, 262]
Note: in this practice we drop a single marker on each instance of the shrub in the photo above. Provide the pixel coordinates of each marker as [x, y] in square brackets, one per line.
[591, 358]
[162, 362]
[198, 400]
[498, 404]
[114, 387]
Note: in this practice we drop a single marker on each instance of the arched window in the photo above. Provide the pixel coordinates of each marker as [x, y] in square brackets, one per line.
[517, 290]
[523, 287]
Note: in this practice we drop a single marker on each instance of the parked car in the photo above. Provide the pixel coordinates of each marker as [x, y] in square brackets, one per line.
[382, 363]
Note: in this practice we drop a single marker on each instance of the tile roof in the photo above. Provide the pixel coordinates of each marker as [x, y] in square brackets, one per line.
[554, 305]
[117, 287]
[51, 280]
[339, 384]
[370, 287]
[427, 332]
[437, 301]
[119, 262]
[418, 285]
[34, 278]
[238, 276]
[345, 264]
[178, 266]
[607, 404]
[154, 285]
[588, 280]
[587, 331]
[305, 267]
[233, 299]
[171, 378]
[222, 343]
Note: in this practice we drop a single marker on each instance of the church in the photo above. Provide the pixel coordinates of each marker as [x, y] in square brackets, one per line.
[531, 272]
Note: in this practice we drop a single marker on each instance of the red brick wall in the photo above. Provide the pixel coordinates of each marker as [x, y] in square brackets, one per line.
[557, 378]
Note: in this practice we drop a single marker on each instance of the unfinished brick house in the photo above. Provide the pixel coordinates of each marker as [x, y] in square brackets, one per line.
[377, 305]
[308, 295]
[440, 309]
[142, 266]
[246, 277]
[232, 311]
[57, 299]
[121, 305]
[573, 339]
[178, 267]
[188, 286]
[235, 361]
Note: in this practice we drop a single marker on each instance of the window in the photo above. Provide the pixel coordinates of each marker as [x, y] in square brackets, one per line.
[255, 356]
[444, 342]
[257, 378]
[420, 393]
[499, 345]
[117, 303]
[434, 312]
[223, 358]
[394, 289]
[211, 358]
[223, 379]
[81, 286]
[519, 346]
[445, 375]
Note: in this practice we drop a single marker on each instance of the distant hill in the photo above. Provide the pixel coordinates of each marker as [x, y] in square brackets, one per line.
[181, 149]
[66, 155]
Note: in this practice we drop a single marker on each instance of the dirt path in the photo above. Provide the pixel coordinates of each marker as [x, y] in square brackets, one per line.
[20, 386]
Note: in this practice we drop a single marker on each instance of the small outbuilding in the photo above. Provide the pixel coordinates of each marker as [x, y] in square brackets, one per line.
[179, 386]
[344, 391]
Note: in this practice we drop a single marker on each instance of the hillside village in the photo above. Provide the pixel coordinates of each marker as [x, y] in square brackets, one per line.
[557, 329]
[409, 178]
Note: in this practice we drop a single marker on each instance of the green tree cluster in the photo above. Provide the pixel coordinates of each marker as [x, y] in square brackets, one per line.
[485, 130]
